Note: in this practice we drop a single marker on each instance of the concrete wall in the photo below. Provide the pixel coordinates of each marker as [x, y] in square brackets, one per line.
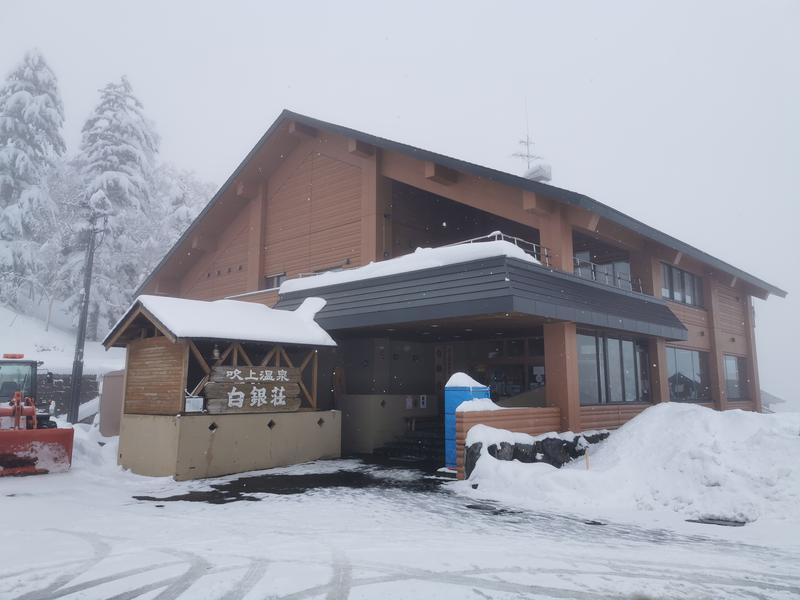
[370, 421]
[246, 442]
[148, 444]
[188, 447]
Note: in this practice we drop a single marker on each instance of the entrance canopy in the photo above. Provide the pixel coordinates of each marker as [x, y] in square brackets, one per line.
[179, 318]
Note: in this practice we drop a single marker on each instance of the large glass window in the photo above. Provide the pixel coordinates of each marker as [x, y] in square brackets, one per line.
[681, 286]
[687, 374]
[612, 369]
[735, 379]
[589, 370]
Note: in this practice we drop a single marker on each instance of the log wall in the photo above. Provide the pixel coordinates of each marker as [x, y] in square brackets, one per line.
[155, 376]
[609, 416]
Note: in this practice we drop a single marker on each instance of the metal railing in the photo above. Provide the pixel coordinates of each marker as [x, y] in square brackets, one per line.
[538, 252]
[581, 268]
[601, 274]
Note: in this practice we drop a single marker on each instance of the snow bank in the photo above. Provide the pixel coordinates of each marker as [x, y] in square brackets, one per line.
[55, 348]
[421, 258]
[236, 320]
[462, 380]
[688, 459]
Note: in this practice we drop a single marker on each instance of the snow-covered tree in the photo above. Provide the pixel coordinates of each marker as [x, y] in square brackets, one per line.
[117, 158]
[181, 195]
[31, 118]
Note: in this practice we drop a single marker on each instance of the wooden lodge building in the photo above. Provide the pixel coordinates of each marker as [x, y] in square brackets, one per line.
[575, 314]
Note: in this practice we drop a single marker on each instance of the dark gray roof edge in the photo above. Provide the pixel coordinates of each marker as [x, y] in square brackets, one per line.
[560, 194]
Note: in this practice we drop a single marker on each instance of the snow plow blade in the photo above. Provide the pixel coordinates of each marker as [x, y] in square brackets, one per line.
[35, 451]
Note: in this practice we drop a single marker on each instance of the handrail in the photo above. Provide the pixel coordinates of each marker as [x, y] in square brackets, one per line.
[540, 253]
[588, 270]
[581, 268]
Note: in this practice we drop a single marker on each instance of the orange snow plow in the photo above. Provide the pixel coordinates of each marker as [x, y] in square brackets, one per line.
[30, 441]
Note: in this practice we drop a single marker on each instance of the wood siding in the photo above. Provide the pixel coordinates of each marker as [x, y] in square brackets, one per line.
[730, 319]
[155, 376]
[223, 271]
[533, 421]
[609, 416]
[696, 322]
[741, 405]
[313, 220]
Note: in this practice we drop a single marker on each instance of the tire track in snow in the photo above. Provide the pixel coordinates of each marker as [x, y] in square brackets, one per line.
[341, 580]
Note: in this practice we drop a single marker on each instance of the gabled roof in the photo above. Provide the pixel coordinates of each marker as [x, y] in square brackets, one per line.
[179, 318]
[546, 190]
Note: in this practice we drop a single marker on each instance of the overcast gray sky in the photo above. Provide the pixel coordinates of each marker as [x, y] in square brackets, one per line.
[685, 115]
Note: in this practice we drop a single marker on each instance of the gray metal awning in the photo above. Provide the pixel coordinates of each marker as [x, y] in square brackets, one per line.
[485, 287]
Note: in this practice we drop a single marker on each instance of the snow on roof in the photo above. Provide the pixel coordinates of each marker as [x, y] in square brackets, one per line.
[236, 320]
[421, 258]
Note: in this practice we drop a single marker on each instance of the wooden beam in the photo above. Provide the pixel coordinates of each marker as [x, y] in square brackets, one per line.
[306, 360]
[676, 260]
[306, 393]
[314, 373]
[285, 356]
[302, 130]
[440, 174]
[241, 352]
[224, 356]
[199, 357]
[534, 203]
[583, 219]
[268, 357]
[360, 148]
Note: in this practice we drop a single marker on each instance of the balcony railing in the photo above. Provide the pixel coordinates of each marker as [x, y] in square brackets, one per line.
[581, 268]
[538, 252]
[600, 273]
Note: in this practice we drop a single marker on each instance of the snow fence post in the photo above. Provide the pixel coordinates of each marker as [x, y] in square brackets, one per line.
[453, 396]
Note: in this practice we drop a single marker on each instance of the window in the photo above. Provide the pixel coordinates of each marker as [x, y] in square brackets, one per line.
[274, 281]
[735, 378]
[680, 286]
[687, 374]
[612, 369]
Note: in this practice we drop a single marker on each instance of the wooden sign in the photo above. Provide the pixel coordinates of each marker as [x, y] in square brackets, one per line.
[253, 389]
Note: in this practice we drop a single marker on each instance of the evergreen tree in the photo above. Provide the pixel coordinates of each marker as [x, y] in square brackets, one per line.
[117, 155]
[31, 118]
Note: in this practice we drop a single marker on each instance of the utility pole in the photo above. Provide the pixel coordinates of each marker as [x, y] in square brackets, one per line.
[80, 342]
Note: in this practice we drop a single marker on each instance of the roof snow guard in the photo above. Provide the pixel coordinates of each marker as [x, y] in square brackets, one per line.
[178, 318]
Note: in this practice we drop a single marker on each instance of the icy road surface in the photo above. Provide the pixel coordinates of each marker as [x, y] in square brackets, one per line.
[359, 531]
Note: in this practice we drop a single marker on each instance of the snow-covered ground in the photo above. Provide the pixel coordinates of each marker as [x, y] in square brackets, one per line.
[24, 334]
[388, 533]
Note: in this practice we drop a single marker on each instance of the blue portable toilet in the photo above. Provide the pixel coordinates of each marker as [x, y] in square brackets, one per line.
[459, 388]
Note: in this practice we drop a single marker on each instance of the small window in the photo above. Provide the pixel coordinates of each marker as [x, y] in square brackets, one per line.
[274, 281]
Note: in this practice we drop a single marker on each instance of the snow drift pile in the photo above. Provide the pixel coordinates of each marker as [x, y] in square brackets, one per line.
[701, 463]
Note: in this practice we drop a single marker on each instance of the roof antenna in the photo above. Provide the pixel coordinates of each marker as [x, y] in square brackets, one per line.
[536, 168]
